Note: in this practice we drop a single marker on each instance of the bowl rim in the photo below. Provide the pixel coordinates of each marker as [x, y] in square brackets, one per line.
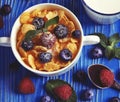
[44, 73]
[104, 14]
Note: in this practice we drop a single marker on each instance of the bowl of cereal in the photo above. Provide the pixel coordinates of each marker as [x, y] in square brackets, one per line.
[47, 39]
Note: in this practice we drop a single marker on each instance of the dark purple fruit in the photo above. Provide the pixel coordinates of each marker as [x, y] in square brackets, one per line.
[45, 99]
[65, 55]
[1, 22]
[27, 45]
[45, 57]
[5, 10]
[61, 31]
[38, 23]
[115, 99]
[97, 52]
[76, 34]
[81, 76]
[47, 40]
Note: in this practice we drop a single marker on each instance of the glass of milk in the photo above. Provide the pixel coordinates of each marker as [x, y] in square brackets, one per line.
[102, 11]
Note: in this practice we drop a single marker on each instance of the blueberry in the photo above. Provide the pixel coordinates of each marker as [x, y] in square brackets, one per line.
[61, 31]
[27, 45]
[81, 76]
[48, 40]
[38, 23]
[45, 99]
[97, 52]
[45, 57]
[87, 94]
[5, 10]
[76, 34]
[65, 55]
[115, 99]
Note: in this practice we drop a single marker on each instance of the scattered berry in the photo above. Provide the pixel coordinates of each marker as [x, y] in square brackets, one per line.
[61, 31]
[87, 94]
[97, 52]
[48, 40]
[81, 76]
[27, 45]
[5, 10]
[106, 77]
[46, 99]
[45, 57]
[76, 34]
[26, 86]
[38, 23]
[1, 22]
[63, 92]
[115, 99]
[65, 55]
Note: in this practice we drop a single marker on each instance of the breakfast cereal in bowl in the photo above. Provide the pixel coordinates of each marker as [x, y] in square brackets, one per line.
[47, 40]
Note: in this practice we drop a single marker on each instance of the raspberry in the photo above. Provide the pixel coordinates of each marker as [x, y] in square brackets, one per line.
[106, 78]
[48, 40]
[26, 86]
[63, 92]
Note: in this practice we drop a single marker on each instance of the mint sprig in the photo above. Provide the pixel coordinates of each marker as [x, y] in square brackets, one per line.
[32, 33]
[51, 84]
[110, 45]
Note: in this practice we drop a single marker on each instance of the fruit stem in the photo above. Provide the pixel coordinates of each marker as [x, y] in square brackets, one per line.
[116, 85]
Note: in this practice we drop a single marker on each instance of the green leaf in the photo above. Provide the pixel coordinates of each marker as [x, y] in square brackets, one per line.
[110, 52]
[103, 39]
[117, 52]
[31, 33]
[52, 21]
[51, 84]
[114, 39]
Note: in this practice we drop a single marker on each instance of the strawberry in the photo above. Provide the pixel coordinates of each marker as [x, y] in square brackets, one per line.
[63, 92]
[106, 77]
[26, 86]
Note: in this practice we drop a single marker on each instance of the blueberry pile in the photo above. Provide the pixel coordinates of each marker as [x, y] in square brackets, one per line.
[45, 57]
[38, 23]
[61, 31]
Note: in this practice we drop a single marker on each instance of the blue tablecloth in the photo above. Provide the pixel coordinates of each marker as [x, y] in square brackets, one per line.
[9, 79]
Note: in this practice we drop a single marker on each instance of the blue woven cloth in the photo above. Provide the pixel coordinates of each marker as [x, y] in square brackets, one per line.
[9, 78]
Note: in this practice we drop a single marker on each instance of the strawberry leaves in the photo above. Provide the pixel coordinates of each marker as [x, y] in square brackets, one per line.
[52, 84]
[110, 45]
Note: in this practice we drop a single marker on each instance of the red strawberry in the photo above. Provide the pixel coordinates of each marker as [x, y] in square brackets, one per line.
[63, 92]
[106, 78]
[26, 86]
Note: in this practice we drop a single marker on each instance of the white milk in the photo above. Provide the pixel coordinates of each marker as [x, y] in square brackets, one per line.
[104, 6]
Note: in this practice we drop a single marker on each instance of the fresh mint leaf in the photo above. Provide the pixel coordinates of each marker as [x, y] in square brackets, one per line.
[103, 39]
[31, 33]
[52, 21]
[110, 52]
[117, 52]
[51, 84]
[114, 39]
